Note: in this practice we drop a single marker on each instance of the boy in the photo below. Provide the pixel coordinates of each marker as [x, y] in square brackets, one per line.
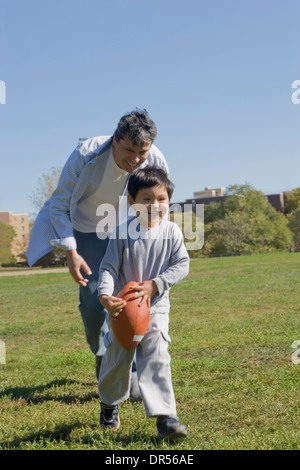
[147, 249]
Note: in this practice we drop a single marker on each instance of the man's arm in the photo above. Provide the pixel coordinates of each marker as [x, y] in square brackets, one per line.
[60, 201]
[76, 263]
[60, 217]
[60, 208]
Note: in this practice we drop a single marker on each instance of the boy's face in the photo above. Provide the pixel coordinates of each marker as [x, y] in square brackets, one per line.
[154, 204]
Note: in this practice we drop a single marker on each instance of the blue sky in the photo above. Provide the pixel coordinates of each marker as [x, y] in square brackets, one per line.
[214, 75]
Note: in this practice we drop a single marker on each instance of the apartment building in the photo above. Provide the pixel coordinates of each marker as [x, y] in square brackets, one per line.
[208, 192]
[20, 223]
[208, 196]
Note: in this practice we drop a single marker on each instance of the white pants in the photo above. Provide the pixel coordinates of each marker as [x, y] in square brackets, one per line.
[153, 369]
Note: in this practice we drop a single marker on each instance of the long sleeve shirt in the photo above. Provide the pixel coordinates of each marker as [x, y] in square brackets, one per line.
[158, 254]
[80, 179]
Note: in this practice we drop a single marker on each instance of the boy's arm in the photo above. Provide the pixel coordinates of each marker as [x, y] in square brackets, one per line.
[110, 265]
[179, 264]
[177, 270]
[112, 304]
[108, 273]
[145, 290]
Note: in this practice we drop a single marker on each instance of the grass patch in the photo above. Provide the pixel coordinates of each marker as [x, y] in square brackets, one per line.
[233, 321]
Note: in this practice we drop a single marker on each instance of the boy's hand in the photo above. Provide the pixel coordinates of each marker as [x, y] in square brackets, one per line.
[145, 290]
[112, 304]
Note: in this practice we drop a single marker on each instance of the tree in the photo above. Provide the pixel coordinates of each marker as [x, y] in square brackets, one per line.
[192, 227]
[47, 183]
[291, 200]
[294, 224]
[230, 235]
[214, 211]
[250, 225]
[7, 235]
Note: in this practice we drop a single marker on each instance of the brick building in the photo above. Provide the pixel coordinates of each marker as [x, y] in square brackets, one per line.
[20, 223]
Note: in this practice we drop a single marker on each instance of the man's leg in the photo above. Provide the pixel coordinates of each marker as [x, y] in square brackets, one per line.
[92, 249]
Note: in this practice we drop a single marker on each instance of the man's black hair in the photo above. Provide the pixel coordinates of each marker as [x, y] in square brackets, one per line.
[137, 126]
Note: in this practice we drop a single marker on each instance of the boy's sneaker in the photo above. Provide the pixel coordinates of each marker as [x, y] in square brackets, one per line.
[109, 416]
[170, 428]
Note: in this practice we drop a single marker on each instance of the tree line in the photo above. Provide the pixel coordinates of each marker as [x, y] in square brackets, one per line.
[244, 222]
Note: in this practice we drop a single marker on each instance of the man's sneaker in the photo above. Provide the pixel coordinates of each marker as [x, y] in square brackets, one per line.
[109, 416]
[170, 428]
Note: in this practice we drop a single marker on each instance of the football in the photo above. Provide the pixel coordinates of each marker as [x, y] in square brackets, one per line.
[132, 322]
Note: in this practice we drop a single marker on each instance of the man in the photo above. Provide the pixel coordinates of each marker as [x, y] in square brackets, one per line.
[95, 174]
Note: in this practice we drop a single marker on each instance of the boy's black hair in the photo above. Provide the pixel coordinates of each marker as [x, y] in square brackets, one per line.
[148, 177]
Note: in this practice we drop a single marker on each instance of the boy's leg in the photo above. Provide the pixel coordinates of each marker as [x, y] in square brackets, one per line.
[93, 249]
[154, 370]
[115, 372]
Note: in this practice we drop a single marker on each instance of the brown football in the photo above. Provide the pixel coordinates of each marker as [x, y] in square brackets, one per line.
[132, 322]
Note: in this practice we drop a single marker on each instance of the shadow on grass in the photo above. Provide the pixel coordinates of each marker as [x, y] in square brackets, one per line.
[29, 393]
[60, 433]
[135, 437]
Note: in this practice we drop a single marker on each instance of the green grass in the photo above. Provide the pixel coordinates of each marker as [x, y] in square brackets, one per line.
[233, 321]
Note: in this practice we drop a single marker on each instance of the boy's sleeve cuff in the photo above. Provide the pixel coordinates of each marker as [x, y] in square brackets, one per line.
[159, 284]
[104, 291]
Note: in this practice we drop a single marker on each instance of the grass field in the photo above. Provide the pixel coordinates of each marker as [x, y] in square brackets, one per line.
[233, 322]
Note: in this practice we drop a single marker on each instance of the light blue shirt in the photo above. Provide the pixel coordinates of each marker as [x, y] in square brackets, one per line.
[80, 178]
[156, 254]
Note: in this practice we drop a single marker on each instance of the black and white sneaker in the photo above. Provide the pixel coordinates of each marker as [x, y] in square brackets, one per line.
[170, 428]
[109, 416]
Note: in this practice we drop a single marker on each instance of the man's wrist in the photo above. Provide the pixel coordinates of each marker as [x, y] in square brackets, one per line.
[70, 253]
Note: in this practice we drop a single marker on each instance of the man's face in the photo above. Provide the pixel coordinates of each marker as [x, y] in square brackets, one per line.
[127, 155]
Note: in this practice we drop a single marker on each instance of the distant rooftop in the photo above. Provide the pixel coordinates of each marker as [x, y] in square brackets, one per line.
[208, 192]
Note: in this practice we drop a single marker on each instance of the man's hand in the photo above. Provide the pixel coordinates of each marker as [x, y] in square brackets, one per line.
[145, 290]
[112, 304]
[76, 263]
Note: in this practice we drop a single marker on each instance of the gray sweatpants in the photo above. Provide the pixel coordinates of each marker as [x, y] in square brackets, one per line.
[153, 369]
